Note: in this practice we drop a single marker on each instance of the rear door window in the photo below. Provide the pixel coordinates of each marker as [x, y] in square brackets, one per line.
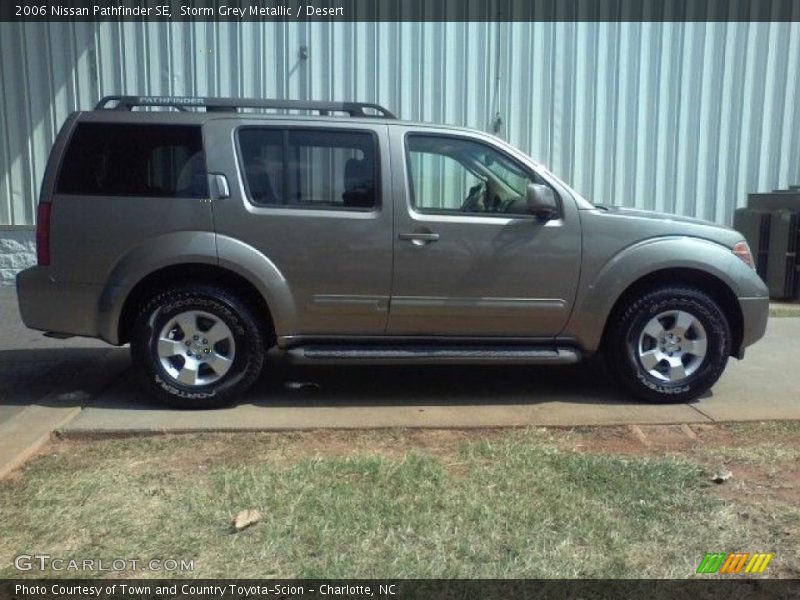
[310, 168]
[105, 159]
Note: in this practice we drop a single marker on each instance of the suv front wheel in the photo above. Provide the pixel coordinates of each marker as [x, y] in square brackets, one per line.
[669, 345]
[197, 346]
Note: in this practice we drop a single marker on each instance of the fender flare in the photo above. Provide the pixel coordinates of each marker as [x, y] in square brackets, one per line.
[264, 275]
[192, 247]
[598, 296]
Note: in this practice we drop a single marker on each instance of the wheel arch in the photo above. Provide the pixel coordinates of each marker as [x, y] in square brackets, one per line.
[706, 282]
[194, 273]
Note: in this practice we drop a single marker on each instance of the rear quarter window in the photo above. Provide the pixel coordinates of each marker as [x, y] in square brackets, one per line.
[134, 160]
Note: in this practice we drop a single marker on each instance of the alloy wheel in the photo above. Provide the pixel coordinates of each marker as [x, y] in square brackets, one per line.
[196, 348]
[672, 345]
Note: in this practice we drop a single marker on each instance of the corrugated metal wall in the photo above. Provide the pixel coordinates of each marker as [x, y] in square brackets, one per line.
[685, 118]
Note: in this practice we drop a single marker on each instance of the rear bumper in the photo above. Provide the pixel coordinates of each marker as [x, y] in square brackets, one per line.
[48, 305]
[755, 312]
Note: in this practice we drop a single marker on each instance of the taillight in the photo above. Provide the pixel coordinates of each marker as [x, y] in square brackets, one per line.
[742, 250]
[43, 234]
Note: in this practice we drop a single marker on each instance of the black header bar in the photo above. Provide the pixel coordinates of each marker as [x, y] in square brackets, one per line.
[400, 10]
[734, 588]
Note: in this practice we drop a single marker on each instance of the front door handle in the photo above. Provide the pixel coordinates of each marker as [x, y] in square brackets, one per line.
[419, 238]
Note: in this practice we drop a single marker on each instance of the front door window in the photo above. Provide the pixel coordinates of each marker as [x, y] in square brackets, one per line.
[456, 175]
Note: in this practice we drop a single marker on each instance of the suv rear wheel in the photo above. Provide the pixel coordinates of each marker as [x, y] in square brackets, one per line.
[197, 346]
[670, 345]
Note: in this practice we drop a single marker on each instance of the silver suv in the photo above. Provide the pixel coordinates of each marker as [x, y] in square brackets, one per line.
[205, 231]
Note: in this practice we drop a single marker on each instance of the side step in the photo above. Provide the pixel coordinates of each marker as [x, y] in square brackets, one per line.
[58, 336]
[355, 354]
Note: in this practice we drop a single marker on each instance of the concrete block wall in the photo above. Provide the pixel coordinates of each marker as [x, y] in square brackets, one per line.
[17, 251]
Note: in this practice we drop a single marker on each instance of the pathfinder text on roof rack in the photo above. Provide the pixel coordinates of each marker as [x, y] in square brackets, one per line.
[354, 109]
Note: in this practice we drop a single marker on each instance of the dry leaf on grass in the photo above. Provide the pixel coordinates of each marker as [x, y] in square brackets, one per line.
[246, 518]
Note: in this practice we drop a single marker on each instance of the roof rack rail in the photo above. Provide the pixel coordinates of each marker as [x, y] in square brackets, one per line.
[354, 109]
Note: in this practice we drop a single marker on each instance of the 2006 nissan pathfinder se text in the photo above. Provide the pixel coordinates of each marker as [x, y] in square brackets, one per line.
[204, 235]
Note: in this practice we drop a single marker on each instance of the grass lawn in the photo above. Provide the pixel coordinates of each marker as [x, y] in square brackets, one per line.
[592, 502]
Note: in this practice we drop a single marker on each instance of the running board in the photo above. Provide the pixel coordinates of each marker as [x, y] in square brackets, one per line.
[57, 336]
[528, 355]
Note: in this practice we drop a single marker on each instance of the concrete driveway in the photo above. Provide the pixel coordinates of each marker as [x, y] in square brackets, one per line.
[44, 383]
[91, 389]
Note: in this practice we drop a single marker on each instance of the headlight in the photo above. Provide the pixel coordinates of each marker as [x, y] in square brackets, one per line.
[742, 250]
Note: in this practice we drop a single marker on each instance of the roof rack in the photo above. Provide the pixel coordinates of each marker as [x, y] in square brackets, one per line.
[354, 109]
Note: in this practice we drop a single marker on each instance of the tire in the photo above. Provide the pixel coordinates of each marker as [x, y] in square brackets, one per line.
[221, 357]
[669, 345]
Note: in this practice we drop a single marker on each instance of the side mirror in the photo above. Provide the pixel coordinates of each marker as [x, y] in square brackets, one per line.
[541, 201]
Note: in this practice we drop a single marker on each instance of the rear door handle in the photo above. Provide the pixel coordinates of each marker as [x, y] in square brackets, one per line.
[419, 238]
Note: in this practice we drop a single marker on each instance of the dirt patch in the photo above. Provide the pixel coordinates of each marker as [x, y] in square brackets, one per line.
[185, 453]
[714, 446]
[760, 484]
[709, 434]
[181, 450]
[632, 440]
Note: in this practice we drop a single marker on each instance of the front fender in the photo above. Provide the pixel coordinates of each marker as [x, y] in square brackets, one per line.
[601, 287]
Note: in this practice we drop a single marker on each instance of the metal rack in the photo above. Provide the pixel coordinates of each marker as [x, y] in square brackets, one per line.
[184, 103]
